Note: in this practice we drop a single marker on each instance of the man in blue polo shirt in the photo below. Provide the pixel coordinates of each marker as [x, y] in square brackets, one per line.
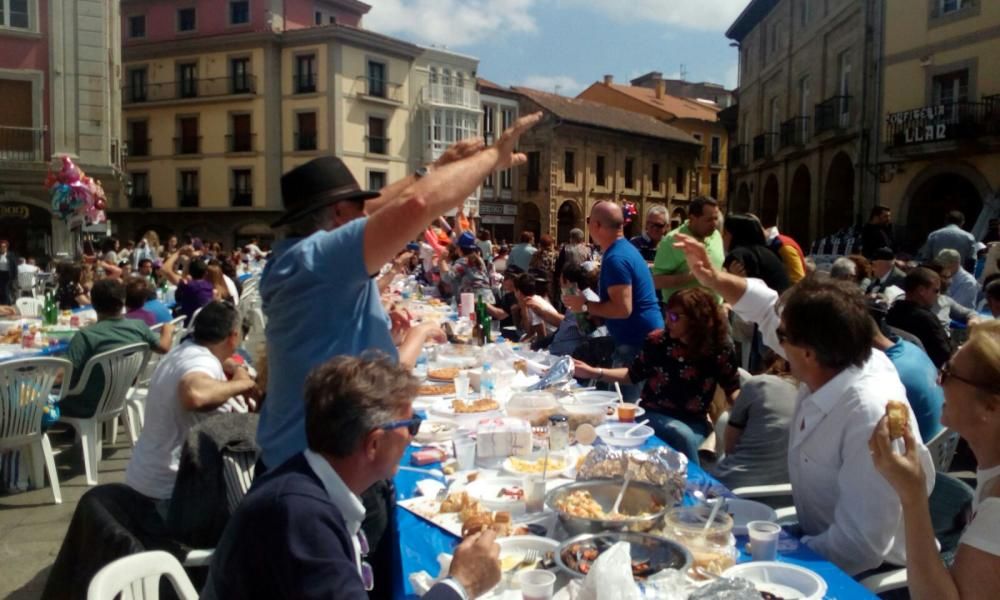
[628, 299]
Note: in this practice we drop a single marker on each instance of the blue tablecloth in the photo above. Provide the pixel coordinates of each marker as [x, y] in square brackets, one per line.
[421, 541]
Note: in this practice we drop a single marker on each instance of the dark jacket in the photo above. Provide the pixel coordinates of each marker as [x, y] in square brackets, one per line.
[288, 540]
[896, 277]
[919, 321]
[763, 263]
[874, 237]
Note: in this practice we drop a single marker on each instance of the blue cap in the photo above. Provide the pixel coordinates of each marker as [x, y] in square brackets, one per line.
[413, 246]
[467, 241]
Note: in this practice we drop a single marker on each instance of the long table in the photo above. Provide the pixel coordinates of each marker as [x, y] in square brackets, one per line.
[422, 541]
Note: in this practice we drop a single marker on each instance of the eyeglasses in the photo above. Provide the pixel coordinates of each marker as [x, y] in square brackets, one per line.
[945, 373]
[781, 335]
[412, 425]
[367, 573]
[673, 317]
[657, 225]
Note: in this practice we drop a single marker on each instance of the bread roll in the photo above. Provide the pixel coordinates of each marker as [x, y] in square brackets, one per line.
[899, 418]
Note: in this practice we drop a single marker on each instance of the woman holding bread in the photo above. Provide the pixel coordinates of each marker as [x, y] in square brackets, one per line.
[971, 382]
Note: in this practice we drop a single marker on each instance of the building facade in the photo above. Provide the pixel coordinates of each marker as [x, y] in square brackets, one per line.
[221, 97]
[699, 118]
[498, 205]
[59, 96]
[584, 152]
[940, 113]
[805, 154]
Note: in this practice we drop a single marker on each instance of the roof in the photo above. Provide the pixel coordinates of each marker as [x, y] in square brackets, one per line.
[595, 114]
[749, 18]
[487, 84]
[681, 108]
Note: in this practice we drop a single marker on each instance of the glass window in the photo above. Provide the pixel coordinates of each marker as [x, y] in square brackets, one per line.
[305, 73]
[950, 6]
[629, 173]
[305, 138]
[376, 79]
[714, 183]
[534, 171]
[14, 13]
[601, 174]
[187, 77]
[186, 19]
[376, 180]
[716, 150]
[239, 12]
[569, 168]
[318, 18]
[679, 182]
[137, 85]
[240, 72]
[951, 87]
[138, 142]
[505, 179]
[377, 142]
[655, 176]
[137, 26]
[242, 192]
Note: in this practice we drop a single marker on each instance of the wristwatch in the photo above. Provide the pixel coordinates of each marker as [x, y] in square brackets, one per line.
[421, 172]
[584, 308]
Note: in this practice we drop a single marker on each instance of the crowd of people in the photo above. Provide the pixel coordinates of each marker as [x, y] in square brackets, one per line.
[720, 327]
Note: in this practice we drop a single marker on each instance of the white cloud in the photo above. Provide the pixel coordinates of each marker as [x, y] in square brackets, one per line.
[708, 15]
[450, 22]
[563, 84]
[731, 77]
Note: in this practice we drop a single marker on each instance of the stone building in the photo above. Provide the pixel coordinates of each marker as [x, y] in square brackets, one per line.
[499, 198]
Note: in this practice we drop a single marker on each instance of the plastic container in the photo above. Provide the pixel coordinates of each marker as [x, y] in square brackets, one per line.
[578, 414]
[715, 549]
[534, 407]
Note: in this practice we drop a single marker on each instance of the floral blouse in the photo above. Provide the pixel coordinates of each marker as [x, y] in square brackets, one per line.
[544, 260]
[675, 384]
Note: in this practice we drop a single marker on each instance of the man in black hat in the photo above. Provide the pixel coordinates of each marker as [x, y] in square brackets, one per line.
[886, 273]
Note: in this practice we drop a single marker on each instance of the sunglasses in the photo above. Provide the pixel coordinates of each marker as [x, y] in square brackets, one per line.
[945, 373]
[673, 317]
[657, 225]
[412, 425]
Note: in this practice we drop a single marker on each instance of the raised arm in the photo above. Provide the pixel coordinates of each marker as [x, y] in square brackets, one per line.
[168, 268]
[198, 391]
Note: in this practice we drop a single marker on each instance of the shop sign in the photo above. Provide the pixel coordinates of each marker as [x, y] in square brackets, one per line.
[14, 211]
[921, 125]
[497, 220]
[495, 209]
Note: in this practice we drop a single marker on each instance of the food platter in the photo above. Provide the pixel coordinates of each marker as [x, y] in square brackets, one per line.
[447, 408]
[436, 431]
[559, 464]
[783, 580]
[443, 374]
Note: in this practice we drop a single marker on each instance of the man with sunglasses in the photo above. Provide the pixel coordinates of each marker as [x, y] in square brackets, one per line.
[298, 533]
[847, 511]
[656, 227]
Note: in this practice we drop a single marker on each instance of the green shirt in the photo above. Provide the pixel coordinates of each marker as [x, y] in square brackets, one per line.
[92, 340]
[670, 260]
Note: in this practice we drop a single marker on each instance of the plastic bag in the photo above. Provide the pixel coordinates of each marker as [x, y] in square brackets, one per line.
[610, 576]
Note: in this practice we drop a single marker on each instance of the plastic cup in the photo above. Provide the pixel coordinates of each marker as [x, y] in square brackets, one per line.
[462, 385]
[763, 539]
[534, 493]
[465, 453]
[626, 412]
[536, 584]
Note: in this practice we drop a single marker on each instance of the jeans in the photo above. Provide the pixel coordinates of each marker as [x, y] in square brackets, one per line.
[624, 357]
[683, 436]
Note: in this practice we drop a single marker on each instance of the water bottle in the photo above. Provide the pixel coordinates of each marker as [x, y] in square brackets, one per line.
[26, 338]
[487, 382]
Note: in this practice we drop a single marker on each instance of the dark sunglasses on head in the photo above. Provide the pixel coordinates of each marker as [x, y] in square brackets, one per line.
[412, 425]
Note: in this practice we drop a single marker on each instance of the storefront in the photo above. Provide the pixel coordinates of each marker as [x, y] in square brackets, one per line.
[29, 230]
[498, 218]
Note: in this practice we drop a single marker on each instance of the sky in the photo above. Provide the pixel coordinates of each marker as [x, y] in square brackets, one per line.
[565, 45]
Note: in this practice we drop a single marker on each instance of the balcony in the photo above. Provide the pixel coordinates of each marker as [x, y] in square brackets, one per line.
[765, 145]
[377, 145]
[739, 156]
[138, 148]
[945, 122]
[305, 141]
[379, 90]
[304, 84]
[240, 197]
[439, 94]
[190, 88]
[794, 132]
[22, 144]
[240, 142]
[833, 114]
[141, 201]
[187, 198]
[187, 145]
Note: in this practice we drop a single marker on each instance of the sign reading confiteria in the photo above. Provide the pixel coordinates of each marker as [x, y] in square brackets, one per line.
[920, 125]
[14, 211]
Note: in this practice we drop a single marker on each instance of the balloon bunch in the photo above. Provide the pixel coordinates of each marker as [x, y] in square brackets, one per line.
[629, 212]
[74, 193]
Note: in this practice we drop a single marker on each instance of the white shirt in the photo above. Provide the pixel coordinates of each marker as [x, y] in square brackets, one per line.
[544, 306]
[231, 287]
[152, 470]
[26, 268]
[983, 531]
[346, 501]
[850, 514]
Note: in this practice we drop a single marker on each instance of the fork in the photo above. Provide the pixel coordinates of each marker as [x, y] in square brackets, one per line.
[530, 559]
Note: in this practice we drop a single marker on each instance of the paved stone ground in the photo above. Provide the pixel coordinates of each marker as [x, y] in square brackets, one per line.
[32, 528]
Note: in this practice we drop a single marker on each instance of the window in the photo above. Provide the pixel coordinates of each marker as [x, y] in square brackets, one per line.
[569, 168]
[600, 173]
[655, 177]
[534, 171]
[376, 79]
[681, 175]
[488, 112]
[137, 26]
[332, 20]
[805, 96]
[488, 182]
[377, 142]
[714, 183]
[14, 13]
[136, 91]
[716, 150]
[188, 141]
[187, 195]
[804, 15]
[774, 113]
[318, 18]
[239, 69]
[187, 78]
[305, 74]
[432, 76]
[242, 191]
[241, 139]
[239, 12]
[505, 179]
[508, 118]
[951, 87]
[446, 77]
[376, 180]
[949, 6]
[629, 173]
[186, 19]
[139, 197]
[775, 32]
[305, 137]
[844, 73]
[138, 138]
[701, 150]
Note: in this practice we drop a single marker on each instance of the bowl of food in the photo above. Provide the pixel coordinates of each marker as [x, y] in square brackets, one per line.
[650, 554]
[591, 397]
[613, 434]
[780, 580]
[714, 548]
[585, 506]
[534, 407]
[578, 414]
[499, 493]
[535, 464]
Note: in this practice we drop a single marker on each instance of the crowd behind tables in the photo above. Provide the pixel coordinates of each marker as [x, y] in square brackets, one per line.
[758, 365]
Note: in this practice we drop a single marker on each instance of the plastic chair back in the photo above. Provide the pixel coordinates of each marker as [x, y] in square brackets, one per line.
[137, 577]
[949, 503]
[28, 306]
[25, 385]
[942, 449]
[237, 468]
[26, 281]
[121, 368]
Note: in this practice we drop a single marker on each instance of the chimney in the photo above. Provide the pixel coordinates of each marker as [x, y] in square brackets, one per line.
[609, 79]
[661, 88]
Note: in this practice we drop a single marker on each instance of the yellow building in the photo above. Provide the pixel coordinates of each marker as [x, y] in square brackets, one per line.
[941, 111]
[696, 117]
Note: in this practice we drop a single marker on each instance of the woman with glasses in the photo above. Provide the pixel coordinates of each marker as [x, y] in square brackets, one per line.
[971, 382]
[681, 366]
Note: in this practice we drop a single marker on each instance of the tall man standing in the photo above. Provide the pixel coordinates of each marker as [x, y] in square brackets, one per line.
[877, 232]
[8, 272]
[628, 300]
[670, 271]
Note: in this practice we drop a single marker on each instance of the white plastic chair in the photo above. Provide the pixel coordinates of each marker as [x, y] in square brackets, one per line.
[27, 283]
[136, 404]
[769, 491]
[121, 368]
[942, 449]
[28, 306]
[137, 577]
[25, 385]
[237, 470]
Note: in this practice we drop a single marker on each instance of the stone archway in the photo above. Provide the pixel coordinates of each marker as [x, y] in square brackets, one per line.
[936, 190]
[567, 218]
[742, 202]
[838, 200]
[530, 218]
[798, 205]
[770, 201]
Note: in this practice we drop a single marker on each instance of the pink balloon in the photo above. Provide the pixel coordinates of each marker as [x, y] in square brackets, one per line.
[69, 173]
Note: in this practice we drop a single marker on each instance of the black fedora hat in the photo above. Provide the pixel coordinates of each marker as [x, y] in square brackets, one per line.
[318, 183]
